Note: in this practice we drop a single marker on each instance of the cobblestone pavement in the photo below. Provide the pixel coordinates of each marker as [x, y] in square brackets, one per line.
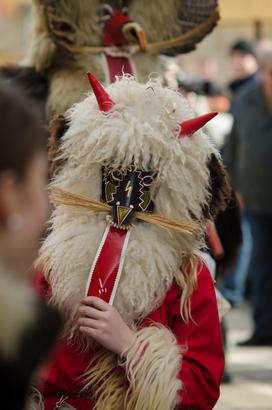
[250, 368]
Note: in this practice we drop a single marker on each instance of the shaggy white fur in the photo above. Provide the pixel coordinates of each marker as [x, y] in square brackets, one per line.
[151, 359]
[143, 127]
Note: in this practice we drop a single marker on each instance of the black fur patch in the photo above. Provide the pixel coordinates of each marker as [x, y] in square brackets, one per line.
[228, 225]
[220, 188]
[58, 127]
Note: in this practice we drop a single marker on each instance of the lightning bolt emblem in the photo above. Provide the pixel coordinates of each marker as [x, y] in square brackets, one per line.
[128, 189]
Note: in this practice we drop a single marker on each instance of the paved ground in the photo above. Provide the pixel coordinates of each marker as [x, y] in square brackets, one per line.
[251, 369]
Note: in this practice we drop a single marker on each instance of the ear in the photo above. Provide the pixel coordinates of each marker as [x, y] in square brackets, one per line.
[58, 127]
[220, 188]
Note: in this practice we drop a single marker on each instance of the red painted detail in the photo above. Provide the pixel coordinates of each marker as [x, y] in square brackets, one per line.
[113, 35]
[117, 66]
[189, 127]
[107, 265]
[103, 99]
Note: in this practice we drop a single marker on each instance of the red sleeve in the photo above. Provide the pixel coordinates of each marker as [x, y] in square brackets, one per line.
[41, 286]
[203, 359]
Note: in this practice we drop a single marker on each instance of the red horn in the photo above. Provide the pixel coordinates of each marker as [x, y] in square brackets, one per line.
[103, 98]
[189, 127]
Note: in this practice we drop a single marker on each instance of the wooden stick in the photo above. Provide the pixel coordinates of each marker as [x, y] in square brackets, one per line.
[60, 196]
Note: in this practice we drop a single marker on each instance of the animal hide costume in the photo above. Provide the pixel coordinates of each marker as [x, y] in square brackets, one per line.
[136, 185]
[107, 37]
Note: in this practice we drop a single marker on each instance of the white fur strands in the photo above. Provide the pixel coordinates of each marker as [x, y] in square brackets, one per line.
[106, 383]
[153, 362]
[143, 128]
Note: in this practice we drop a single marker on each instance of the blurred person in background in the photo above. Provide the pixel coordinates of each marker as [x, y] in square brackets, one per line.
[248, 156]
[28, 327]
[205, 96]
[244, 65]
[208, 96]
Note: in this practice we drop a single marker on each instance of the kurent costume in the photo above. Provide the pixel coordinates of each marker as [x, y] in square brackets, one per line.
[137, 182]
[108, 37]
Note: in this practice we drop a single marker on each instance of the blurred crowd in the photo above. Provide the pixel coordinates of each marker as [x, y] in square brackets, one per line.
[242, 131]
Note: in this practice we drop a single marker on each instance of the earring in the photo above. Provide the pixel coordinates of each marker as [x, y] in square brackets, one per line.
[15, 222]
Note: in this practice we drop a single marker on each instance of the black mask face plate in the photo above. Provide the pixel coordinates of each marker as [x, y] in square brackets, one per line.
[127, 191]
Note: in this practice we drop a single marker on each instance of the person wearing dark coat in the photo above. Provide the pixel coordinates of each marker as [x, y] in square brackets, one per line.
[248, 156]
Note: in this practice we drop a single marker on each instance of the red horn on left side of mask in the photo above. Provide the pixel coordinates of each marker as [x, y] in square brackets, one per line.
[189, 127]
[103, 99]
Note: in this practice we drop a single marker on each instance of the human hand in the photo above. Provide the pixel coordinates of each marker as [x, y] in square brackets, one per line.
[103, 323]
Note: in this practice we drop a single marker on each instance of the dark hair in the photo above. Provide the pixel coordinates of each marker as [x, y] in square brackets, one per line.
[244, 46]
[22, 133]
[202, 87]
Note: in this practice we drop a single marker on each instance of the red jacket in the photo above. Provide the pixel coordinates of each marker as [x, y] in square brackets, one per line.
[202, 363]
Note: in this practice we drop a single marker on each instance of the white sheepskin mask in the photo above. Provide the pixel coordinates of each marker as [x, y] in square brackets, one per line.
[142, 128]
